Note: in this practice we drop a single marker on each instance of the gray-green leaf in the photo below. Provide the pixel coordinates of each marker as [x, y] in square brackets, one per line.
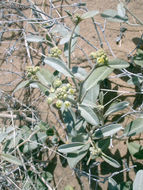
[113, 16]
[136, 150]
[11, 159]
[97, 75]
[79, 73]
[91, 97]
[34, 38]
[118, 64]
[138, 182]
[88, 114]
[71, 148]
[2, 136]
[22, 85]
[89, 14]
[68, 187]
[133, 128]
[73, 158]
[45, 76]
[112, 184]
[116, 107]
[107, 130]
[58, 65]
[110, 161]
[121, 10]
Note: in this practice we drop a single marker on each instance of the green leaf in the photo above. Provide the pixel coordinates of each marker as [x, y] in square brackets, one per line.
[30, 146]
[58, 65]
[133, 128]
[68, 187]
[134, 80]
[116, 107]
[43, 89]
[138, 60]
[81, 4]
[21, 85]
[136, 150]
[103, 144]
[109, 13]
[88, 114]
[2, 136]
[47, 176]
[121, 10]
[139, 52]
[107, 130]
[112, 184]
[65, 39]
[73, 158]
[99, 74]
[75, 153]
[50, 132]
[79, 73]
[60, 28]
[138, 182]
[125, 185]
[45, 76]
[34, 38]
[89, 14]
[80, 137]
[101, 97]
[91, 97]
[43, 126]
[113, 16]
[69, 119]
[68, 13]
[118, 64]
[71, 148]
[110, 161]
[11, 159]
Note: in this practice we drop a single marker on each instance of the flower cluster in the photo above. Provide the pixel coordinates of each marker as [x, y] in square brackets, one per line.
[31, 71]
[55, 52]
[100, 56]
[60, 93]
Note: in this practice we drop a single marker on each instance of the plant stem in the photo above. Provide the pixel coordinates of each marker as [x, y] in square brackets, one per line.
[70, 41]
[101, 43]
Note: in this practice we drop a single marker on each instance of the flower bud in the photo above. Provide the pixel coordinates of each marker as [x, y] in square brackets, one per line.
[71, 91]
[57, 83]
[49, 100]
[67, 104]
[68, 85]
[65, 96]
[59, 104]
[52, 90]
[100, 60]
[64, 88]
[93, 55]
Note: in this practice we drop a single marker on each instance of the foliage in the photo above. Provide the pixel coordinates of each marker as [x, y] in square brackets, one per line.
[82, 101]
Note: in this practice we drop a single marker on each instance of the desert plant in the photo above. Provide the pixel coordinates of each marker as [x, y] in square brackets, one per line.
[83, 101]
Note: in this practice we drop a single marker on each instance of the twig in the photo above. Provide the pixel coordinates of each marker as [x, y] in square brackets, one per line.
[17, 117]
[10, 180]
